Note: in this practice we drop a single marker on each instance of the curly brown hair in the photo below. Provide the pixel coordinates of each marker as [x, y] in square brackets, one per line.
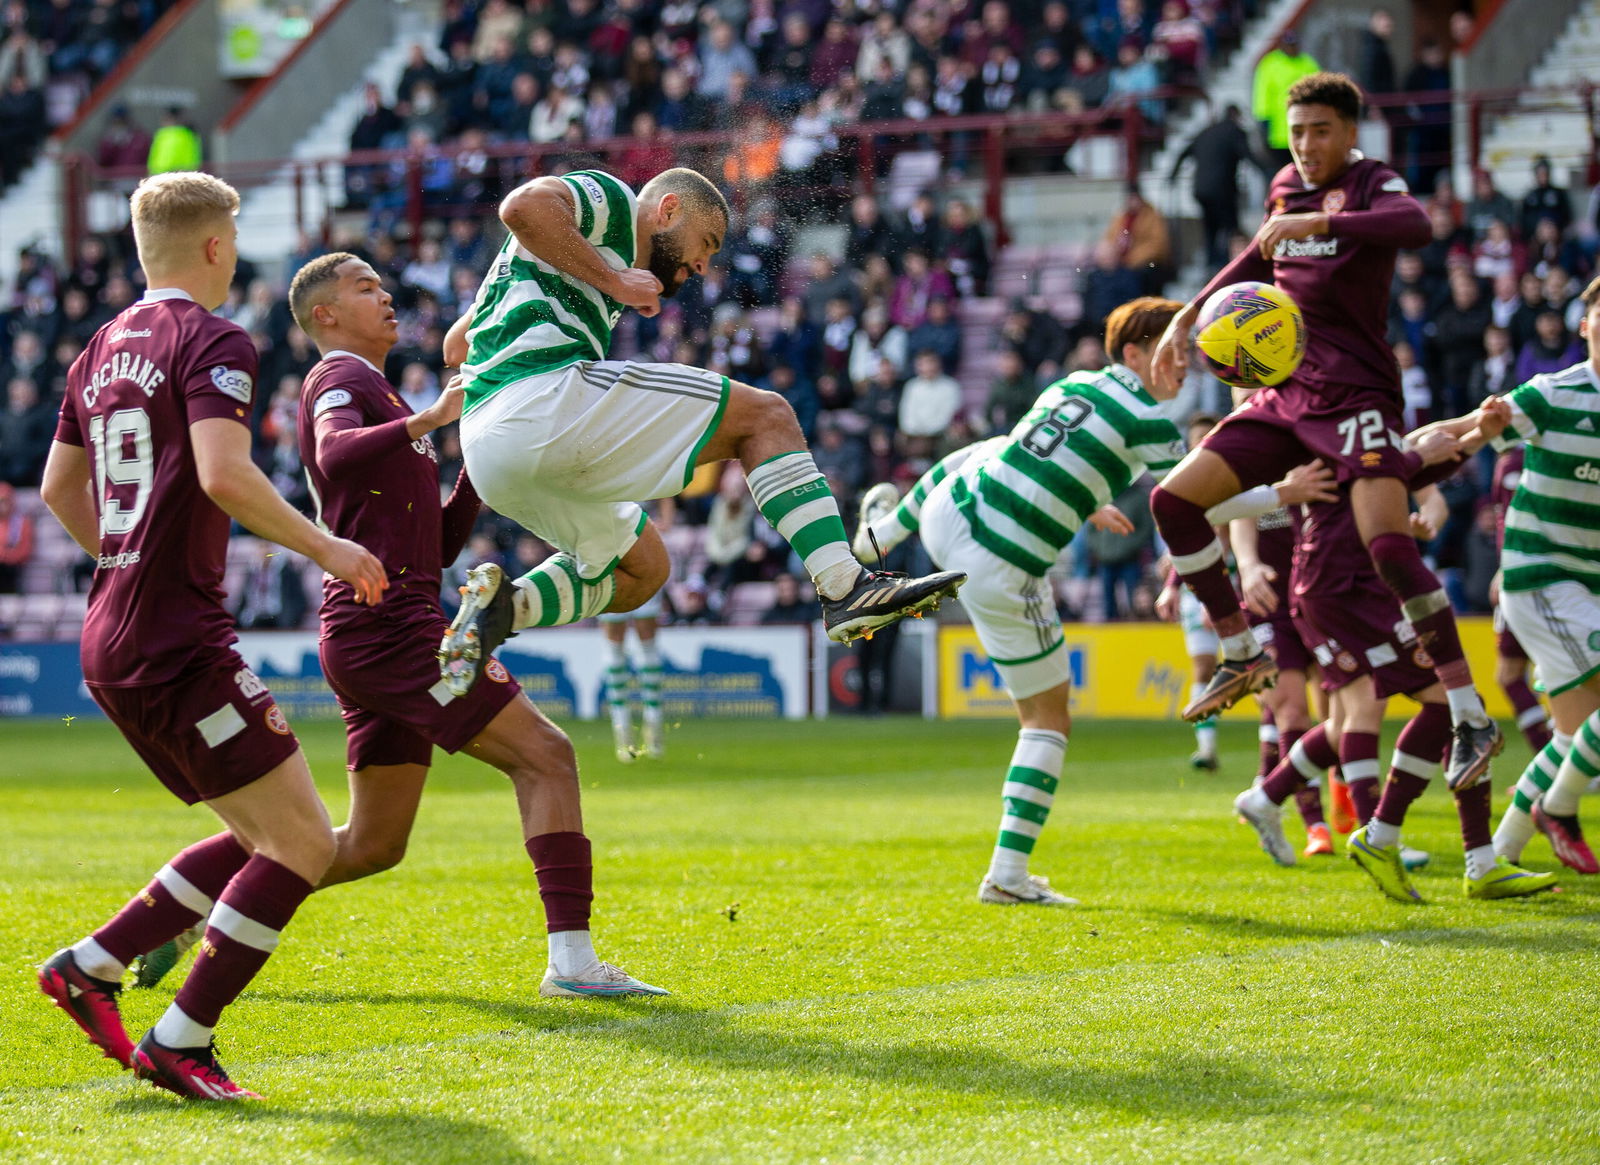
[1334, 90]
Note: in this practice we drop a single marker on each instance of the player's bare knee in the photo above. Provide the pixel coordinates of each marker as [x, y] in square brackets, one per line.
[546, 757]
[766, 414]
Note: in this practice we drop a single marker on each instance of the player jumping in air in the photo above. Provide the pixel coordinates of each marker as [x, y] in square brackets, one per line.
[150, 461]
[1550, 583]
[568, 443]
[1335, 222]
[375, 477]
[1002, 511]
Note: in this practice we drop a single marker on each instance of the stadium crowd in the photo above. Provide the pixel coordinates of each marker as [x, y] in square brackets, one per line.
[869, 347]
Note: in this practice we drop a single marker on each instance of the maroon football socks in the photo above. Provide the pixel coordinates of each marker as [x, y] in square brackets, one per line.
[562, 863]
[178, 896]
[1197, 557]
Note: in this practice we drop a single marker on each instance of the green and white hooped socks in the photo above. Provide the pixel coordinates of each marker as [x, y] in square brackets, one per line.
[794, 496]
[553, 594]
[649, 680]
[1028, 793]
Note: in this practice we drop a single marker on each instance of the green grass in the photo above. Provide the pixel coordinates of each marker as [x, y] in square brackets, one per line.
[859, 1005]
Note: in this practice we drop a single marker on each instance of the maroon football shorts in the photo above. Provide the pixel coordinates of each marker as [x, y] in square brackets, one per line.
[1360, 632]
[395, 707]
[206, 733]
[1279, 428]
[1505, 643]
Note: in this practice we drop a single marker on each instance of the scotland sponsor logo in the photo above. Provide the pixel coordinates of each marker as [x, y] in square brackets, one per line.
[1306, 249]
[233, 382]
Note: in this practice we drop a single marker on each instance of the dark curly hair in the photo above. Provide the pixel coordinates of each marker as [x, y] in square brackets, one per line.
[1334, 90]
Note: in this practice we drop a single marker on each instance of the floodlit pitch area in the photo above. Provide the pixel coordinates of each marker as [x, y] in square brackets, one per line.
[807, 891]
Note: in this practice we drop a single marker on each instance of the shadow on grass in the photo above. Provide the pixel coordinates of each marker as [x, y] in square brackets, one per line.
[1175, 1080]
[1239, 926]
[1493, 935]
[362, 1134]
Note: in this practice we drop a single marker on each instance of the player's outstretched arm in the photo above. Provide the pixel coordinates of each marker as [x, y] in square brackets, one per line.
[543, 216]
[231, 479]
[66, 490]
[1255, 577]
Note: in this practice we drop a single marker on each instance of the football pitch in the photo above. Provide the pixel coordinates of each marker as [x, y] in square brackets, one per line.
[808, 892]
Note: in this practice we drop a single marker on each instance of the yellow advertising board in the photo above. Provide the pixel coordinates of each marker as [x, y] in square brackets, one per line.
[1139, 671]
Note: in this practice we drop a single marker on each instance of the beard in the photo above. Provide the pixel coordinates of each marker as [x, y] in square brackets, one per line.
[666, 263]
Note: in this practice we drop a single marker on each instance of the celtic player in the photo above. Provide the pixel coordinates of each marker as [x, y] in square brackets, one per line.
[1550, 583]
[1002, 511]
[568, 443]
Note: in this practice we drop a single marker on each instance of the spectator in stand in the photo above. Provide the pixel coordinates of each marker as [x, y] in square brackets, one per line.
[838, 334]
[1551, 349]
[884, 40]
[1120, 558]
[1530, 304]
[730, 537]
[919, 227]
[797, 344]
[175, 146]
[1411, 322]
[839, 458]
[23, 56]
[16, 540]
[1037, 337]
[878, 402]
[721, 56]
[963, 250]
[869, 233]
[647, 156]
[556, 110]
[1493, 375]
[1217, 151]
[1544, 200]
[1275, 72]
[1458, 343]
[1416, 393]
[916, 288]
[835, 57]
[124, 144]
[1179, 42]
[26, 427]
[757, 254]
[828, 283]
[272, 596]
[790, 84]
[1497, 254]
[1428, 143]
[789, 604]
[1376, 71]
[1107, 285]
[1134, 76]
[1448, 245]
[21, 126]
[419, 387]
[929, 401]
[1488, 205]
[1548, 251]
[876, 340]
[1000, 79]
[939, 333]
[693, 608]
[1044, 78]
[1139, 235]
[29, 358]
[1012, 393]
[1088, 83]
[681, 110]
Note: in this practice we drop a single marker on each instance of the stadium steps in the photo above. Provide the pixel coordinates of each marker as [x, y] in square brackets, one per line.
[1232, 82]
[30, 213]
[267, 232]
[1556, 126]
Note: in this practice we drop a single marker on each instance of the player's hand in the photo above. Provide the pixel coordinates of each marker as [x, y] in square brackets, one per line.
[345, 560]
[639, 290]
[1315, 482]
[1167, 605]
[448, 407]
[1422, 528]
[1260, 596]
[1494, 590]
[1494, 414]
[1434, 445]
[1108, 517]
[1289, 226]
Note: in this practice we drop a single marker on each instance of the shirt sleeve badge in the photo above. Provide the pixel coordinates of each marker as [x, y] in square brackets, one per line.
[234, 382]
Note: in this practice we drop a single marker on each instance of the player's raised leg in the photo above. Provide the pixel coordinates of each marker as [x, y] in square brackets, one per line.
[759, 429]
[891, 519]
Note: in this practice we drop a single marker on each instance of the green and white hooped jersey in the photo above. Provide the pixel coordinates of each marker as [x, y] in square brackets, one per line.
[530, 318]
[1553, 524]
[1081, 444]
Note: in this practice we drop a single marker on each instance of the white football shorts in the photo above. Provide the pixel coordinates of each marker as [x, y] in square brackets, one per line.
[569, 454]
[1559, 627]
[1013, 612]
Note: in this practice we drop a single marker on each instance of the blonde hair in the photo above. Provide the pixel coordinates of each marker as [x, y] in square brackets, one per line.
[173, 212]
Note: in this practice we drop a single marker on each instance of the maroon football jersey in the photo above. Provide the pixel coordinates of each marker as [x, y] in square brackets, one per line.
[157, 601]
[373, 484]
[1340, 280]
[1507, 473]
